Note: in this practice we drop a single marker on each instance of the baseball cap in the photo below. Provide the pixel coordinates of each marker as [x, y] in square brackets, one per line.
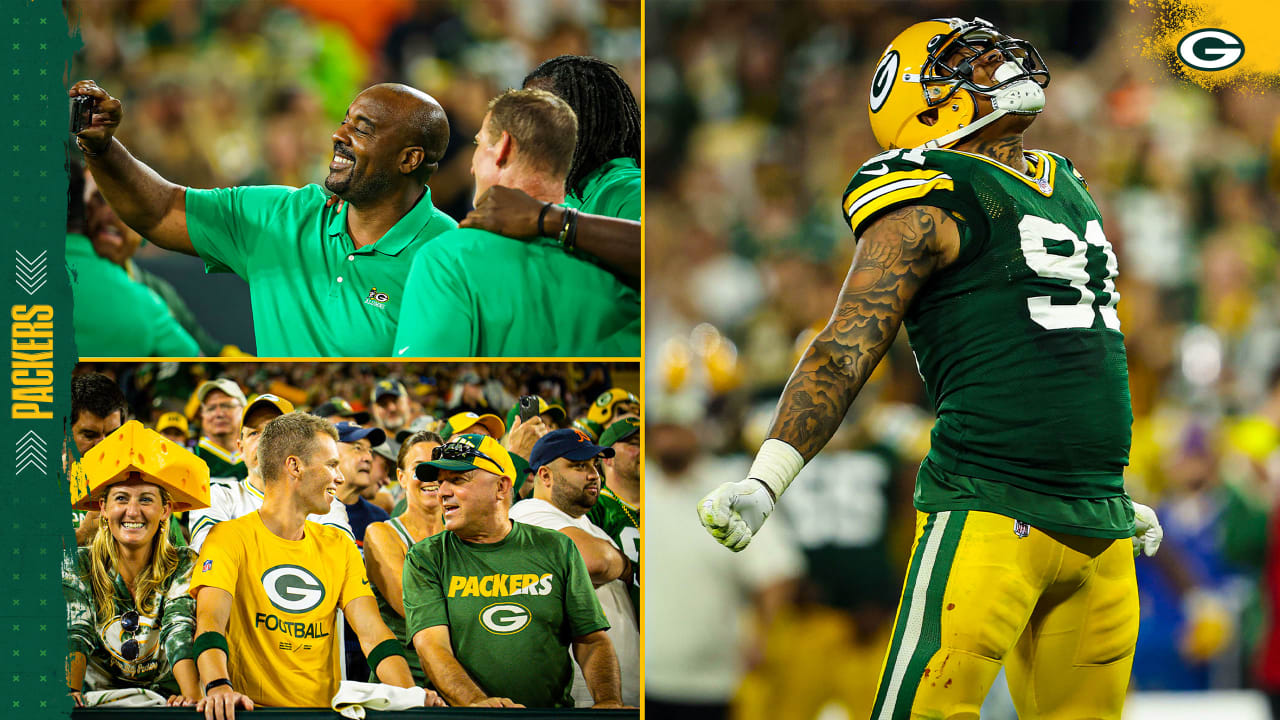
[172, 420]
[226, 385]
[420, 423]
[470, 378]
[592, 430]
[468, 452]
[464, 420]
[267, 399]
[543, 407]
[388, 387]
[350, 432]
[621, 430]
[340, 407]
[569, 443]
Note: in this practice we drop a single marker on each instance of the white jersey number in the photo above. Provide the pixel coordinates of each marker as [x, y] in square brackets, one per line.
[1036, 232]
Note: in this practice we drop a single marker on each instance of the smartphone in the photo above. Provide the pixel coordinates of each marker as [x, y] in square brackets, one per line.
[528, 407]
[81, 113]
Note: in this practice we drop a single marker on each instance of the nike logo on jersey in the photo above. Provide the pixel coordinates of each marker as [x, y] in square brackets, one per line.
[403, 350]
[868, 171]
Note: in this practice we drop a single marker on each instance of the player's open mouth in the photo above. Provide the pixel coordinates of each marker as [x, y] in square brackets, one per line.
[430, 488]
[340, 163]
[133, 525]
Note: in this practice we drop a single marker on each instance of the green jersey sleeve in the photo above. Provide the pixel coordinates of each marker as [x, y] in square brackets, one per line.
[424, 599]
[178, 624]
[898, 178]
[82, 636]
[226, 224]
[582, 608]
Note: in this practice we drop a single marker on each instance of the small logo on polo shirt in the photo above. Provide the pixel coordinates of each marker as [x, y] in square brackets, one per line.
[376, 299]
[207, 566]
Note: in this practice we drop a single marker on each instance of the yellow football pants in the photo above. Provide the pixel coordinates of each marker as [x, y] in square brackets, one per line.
[1060, 612]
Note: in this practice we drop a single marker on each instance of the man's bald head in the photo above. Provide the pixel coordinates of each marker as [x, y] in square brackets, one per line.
[425, 123]
[392, 139]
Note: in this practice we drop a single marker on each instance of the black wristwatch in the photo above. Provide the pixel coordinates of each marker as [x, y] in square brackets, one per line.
[217, 683]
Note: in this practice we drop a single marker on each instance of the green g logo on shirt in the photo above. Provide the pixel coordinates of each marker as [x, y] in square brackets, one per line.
[504, 618]
[293, 589]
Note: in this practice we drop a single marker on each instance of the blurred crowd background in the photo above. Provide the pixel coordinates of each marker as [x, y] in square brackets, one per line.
[434, 390]
[247, 92]
[756, 119]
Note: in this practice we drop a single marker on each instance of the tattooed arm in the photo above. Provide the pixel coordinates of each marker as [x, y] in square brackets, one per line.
[895, 256]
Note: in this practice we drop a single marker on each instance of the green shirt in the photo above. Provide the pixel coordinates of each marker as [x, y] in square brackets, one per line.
[621, 520]
[313, 293]
[477, 294]
[513, 607]
[221, 463]
[163, 637]
[1017, 340]
[612, 189]
[114, 316]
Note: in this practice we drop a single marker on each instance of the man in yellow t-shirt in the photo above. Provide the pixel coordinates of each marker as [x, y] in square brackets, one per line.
[273, 581]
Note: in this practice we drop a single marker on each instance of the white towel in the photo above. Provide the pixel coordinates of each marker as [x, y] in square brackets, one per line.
[127, 697]
[354, 697]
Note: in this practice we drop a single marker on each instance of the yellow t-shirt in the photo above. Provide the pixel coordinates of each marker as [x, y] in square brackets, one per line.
[283, 636]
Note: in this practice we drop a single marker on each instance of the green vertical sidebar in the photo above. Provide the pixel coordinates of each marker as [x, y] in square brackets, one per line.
[37, 48]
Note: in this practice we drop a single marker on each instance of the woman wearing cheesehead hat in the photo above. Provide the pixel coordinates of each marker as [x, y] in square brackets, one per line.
[129, 618]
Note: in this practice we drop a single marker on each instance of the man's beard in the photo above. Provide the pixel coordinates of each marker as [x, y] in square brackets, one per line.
[358, 191]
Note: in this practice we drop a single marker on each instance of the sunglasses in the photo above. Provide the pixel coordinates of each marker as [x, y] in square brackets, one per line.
[130, 623]
[459, 451]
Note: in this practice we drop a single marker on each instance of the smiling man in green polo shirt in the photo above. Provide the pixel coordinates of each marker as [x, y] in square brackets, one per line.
[324, 281]
[476, 294]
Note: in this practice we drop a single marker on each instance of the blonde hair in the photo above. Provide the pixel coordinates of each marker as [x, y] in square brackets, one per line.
[104, 557]
[544, 127]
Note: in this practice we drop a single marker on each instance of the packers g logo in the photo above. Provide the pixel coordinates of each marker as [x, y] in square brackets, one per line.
[504, 618]
[1210, 49]
[882, 81]
[293, 589]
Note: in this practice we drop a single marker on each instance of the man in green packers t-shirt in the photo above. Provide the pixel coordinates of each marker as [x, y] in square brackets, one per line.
[324, 281]
[473, 293]
[492, 606]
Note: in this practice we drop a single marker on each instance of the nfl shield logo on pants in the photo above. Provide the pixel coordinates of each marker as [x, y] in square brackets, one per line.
[1021, 529]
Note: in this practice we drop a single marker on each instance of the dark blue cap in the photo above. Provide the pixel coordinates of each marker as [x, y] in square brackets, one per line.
[569, 443]
[351, 432]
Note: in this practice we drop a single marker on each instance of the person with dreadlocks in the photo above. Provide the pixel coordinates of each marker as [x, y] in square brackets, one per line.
[479, 294]
[601, 212]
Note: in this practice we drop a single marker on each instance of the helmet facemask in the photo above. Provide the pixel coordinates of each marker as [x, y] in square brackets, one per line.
[949, 68]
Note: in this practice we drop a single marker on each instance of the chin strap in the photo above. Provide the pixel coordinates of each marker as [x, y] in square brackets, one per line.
[1020, 98]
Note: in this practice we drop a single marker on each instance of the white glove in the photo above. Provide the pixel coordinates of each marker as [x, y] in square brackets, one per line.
[1147, 533]
[734, 512]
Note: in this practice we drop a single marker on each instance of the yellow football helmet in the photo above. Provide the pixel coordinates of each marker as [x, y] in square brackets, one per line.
[923, 93]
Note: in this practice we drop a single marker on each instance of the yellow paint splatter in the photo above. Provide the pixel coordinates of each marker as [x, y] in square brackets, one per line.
[1253, 21]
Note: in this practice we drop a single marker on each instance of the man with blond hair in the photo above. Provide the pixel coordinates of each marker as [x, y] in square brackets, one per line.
[475, 293]
[273, 581]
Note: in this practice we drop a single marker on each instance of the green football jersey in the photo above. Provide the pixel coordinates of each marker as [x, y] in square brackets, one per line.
[1018, 341]
[513, 607]
[621, 520]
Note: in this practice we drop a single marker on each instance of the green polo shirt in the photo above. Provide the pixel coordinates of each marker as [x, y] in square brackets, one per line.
[114, 316]
[476, 294]
[612, 189]
[313, 293]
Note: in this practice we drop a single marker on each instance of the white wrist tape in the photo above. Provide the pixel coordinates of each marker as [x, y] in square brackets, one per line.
[776, 465]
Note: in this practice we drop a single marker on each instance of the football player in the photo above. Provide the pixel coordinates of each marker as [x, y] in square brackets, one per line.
[994, 257]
